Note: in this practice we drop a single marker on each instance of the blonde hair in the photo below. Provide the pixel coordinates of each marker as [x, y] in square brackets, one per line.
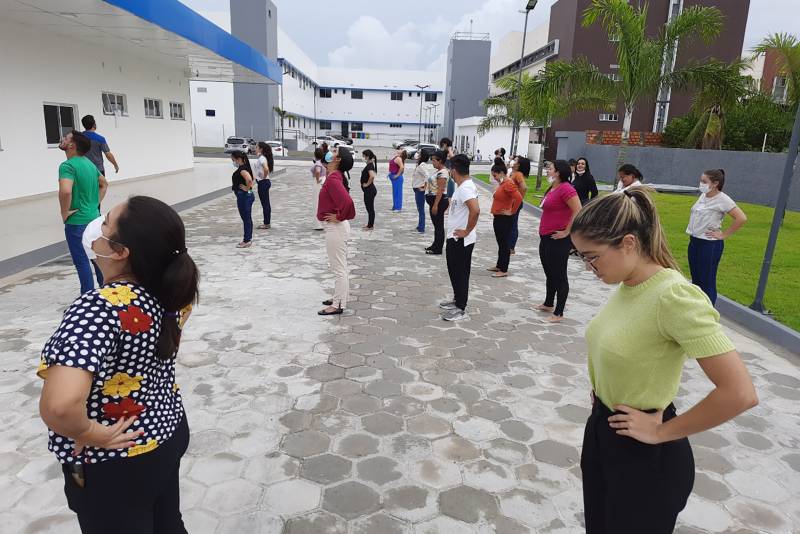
[609, 219]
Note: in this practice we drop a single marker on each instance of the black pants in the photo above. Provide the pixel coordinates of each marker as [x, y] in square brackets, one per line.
[438, 221]
[503, 225]
[459, 263]
[630, 487]
[369, 203]
[554, 254]
[263, 196]
[138, 495]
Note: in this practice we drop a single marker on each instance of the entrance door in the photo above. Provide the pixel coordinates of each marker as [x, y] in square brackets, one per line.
[345, 129]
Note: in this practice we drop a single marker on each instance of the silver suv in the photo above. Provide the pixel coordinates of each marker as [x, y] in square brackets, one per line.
[248, 146]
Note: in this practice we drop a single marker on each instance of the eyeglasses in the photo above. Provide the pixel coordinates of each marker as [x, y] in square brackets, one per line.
[587, 260]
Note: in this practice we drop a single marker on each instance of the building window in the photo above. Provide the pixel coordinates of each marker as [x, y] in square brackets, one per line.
[614, 66]
[397, 95]
[115, 104]
[395, 125]
[324, 125]
[609, 117]
[152, 108]
[356, 95]
[356, 127]
[176, 111]
[211, 113]
[324, 93]
[614, 76]
[410, 93]
[779, 89]
[59, 120]
[202, 89]
[336, 91]
[430, 97]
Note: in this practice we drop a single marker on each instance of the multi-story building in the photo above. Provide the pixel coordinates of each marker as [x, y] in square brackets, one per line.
[774, 78]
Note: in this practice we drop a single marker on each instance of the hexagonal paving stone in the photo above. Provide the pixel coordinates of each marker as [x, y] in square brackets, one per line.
[489, 410]
[217, 468]
[317, 403]
[315, 523]
[489, 476]
[436, 473]
[507, 451]
[398, 376]
[516, 430]
[270, 468]
[325, 372]
[443, 525]
[555, 453]
[379, 524]
[428, 426]
[350, 500]
[341, 388]
[381, 361]
[382, 424]
[383, 389]
[412, 503]
[468, 504]
[379, 469]
[423, 391]
[326, 468]
[475, 428]
[296, 420]
[291, 497]
[456, 449]
[519, 381]
[233, 496]
[305, 443]
[360, 404]
[252, 523]
[410, 446]
[362, 373]
[346, 360]
[367, 348]
[529, 507]
[404, 406]
[358, 445]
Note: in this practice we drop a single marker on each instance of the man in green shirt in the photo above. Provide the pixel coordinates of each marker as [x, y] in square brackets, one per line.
[81, 188]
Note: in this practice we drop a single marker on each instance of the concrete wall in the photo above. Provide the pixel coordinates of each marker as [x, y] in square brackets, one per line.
[749, 176]
[142, 146]
[467, 83]
[466, 136]
[216, 97]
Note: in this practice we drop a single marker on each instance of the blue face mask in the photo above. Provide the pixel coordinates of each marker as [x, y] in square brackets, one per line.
[328, 157]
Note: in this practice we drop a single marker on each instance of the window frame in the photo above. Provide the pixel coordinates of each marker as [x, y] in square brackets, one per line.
[356, 126]
[430, 97]
[322, 125]
[359, 92]
[182, 116]
[204, 89]
[212, 114]
[325, 93]
[160, 108]
[104, 94]
[607, 117]
[395, 125]
[396, 96]
[60, 105]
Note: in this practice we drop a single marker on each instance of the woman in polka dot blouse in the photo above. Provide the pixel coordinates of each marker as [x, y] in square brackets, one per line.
[109, 399]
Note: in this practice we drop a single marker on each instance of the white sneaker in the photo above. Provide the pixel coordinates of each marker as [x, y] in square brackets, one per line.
[448, 305]
[455, 315]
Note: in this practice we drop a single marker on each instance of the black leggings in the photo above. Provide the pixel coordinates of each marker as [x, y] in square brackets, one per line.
[630, 487]
[369, 203]
[554, 254]
[138, 495]
[503, 226]
[438, 221]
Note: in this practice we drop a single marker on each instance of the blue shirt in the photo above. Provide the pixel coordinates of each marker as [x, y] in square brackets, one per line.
[99, 147]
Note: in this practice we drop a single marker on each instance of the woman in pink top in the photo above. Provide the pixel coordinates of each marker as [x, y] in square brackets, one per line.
[559, 206]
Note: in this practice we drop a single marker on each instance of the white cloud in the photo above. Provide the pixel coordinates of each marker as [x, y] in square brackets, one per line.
[371, 45]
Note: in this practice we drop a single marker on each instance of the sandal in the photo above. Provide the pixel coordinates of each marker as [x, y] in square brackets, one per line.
[328, 302]
[543, 308]
[499, 274]
[244, 244]
[336, 311]
[263, 227]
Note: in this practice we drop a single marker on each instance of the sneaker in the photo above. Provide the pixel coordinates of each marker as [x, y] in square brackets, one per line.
[455, 315]
[448, 305]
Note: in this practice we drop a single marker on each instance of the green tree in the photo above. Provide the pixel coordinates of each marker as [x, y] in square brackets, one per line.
[788, 48]
[540, 104]
[639, 56]
[283, 114]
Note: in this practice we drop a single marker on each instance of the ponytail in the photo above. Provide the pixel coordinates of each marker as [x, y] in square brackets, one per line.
[717, 176]
[607, 220]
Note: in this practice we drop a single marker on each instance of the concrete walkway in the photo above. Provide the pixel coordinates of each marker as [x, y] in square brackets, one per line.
[388, 419]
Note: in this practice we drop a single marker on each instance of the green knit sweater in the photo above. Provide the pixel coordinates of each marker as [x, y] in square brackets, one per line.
[638, 342]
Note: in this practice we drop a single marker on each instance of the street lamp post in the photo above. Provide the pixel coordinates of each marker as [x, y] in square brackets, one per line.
[452, 129]
[283, 108]
[421, 97]
[777, 217]
[435, 111]
[515, 124]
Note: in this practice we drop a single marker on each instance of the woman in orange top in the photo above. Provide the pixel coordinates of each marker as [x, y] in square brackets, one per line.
[521, 169]
[505, 204]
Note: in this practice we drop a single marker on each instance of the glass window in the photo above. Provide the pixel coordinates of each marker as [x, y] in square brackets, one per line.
[59, 120]
[324, 125]
[430, 97]
[397, 95]
[114, 104]
[176, 111]
[211, 113]
[356, 126]
[356, 95]
[324, 93]
[202, 89]
[152, 108]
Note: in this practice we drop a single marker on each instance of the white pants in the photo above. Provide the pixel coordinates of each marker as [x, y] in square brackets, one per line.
[336, 235]
[315, 191]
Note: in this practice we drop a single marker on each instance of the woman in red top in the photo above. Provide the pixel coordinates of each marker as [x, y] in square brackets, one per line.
[559, 206]
[506, 201]
[335, 210]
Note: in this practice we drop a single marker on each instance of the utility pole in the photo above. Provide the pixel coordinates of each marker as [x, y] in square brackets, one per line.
[435, 116]
[421, 97]
[515, 124]
[283, 107]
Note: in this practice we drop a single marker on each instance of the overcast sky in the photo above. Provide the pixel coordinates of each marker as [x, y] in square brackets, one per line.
[410, 34]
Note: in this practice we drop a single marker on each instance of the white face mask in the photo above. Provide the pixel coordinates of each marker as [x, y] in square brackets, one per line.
[235, 165]
[93, 232]
[704, 187]
[550, 179]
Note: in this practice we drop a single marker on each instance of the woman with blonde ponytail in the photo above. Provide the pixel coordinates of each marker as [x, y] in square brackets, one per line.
[637, 464]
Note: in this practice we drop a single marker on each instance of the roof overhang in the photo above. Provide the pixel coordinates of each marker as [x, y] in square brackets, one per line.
[165, 31]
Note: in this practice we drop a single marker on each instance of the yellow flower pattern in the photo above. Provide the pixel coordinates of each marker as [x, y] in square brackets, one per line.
[121, 385]
[141, 449]
[119, 295]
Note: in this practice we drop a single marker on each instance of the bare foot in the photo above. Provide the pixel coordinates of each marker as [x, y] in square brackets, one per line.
[555, 318]
[543, 308]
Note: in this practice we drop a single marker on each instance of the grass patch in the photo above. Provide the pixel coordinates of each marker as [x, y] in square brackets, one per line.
[744, 252]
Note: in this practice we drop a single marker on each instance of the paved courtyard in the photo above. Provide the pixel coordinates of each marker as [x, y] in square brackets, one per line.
[386, 420]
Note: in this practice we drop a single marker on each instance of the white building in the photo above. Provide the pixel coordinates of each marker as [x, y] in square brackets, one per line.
[128, 64]
[375, 107]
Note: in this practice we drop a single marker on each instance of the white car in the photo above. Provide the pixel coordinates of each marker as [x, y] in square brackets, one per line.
[277, 148]
[331, 141]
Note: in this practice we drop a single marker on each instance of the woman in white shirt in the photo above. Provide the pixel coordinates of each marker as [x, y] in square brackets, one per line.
[629, 176]
[707, 239]
[263, 169]
[419, 181]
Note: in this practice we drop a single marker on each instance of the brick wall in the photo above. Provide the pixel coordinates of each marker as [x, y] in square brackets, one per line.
[614, 137]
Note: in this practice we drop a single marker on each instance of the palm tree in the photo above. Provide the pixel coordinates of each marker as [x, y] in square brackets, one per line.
[540, 104]
[640, 57]
[283, 114]
[788, 48]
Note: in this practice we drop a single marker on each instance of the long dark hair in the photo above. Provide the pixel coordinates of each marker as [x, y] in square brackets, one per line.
[266, 151]
[586, 163]
[156, 238]
[717, 176]
[627, 168]
[371, 158]
[424, 156]
[524, 166]
[564, 172]
[238, 154]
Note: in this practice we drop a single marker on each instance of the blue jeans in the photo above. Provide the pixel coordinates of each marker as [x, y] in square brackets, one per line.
[704, 257]
[397, 191]
[263, 196]
[244, 201]
[74, 233]
[514, 234]
[419, 197]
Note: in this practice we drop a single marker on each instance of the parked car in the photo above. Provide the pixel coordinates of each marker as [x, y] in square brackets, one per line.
[404, 143]
[329, 139]
[277, 148]
[342, 138]
[233, 144]
[252, 143]
[411, 150]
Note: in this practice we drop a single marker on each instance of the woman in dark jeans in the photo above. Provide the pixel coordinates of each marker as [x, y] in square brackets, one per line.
[110, 398]
[368, 186]
[264, 167]
[242, 187]
[436, 197]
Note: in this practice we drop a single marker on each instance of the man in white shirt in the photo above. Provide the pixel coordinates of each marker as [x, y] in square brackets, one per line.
[461, 236]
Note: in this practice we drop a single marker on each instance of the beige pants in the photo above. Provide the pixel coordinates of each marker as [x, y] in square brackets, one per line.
[336, 235]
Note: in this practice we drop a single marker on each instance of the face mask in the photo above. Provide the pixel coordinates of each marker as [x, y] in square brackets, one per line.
[235, 165]
[328, 157]
[93, 232]
[704, 188]
[550, 179]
